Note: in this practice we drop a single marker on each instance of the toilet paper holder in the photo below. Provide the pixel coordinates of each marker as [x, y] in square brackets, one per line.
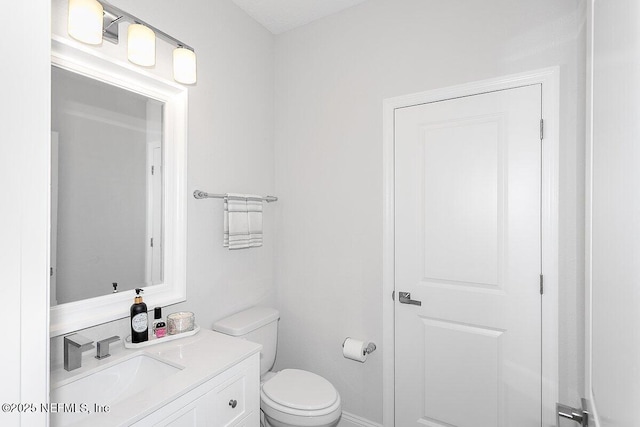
[370, 348]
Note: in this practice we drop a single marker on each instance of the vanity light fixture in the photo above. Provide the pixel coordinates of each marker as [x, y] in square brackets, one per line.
[85, 21]
[184, 65]
[141, 37]
[141, 45]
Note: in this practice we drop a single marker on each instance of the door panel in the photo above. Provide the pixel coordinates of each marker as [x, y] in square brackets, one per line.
[459, 163]
[467, 212]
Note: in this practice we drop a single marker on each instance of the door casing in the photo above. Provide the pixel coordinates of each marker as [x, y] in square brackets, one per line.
[549, 79]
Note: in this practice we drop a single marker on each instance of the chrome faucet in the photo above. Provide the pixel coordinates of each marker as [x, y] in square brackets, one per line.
[103, 347]
[74, 345]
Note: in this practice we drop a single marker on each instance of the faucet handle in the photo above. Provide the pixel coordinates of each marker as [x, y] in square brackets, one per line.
[103, 347]
[78, 341]
[74, 345]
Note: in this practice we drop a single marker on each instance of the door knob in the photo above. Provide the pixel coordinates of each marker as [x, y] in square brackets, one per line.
[405, 298]
[580, 416]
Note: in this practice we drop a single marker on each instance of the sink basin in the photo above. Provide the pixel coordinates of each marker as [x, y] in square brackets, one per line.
[109, 385]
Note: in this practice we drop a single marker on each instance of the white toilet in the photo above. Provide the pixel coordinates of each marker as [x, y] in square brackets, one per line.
[291, 397]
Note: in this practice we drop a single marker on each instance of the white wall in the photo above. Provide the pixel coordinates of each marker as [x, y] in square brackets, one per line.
[615, 271]
[230, 147]
[331, 78]
[24, 245]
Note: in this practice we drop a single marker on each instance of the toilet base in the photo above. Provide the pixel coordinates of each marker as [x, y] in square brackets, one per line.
[285, 420]
[266, 423]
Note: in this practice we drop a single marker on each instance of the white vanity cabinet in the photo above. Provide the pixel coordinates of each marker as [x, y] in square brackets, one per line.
[232, 398]
[208, 380]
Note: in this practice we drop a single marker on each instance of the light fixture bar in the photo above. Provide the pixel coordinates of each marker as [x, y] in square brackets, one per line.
[113, 15]
[110, 26]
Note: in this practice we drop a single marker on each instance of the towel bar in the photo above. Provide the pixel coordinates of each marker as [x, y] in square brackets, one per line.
[202, 195]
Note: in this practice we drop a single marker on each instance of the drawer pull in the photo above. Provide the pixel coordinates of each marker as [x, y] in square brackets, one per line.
[233, 403]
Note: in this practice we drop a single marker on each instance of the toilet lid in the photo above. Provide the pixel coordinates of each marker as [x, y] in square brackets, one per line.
[300, 390]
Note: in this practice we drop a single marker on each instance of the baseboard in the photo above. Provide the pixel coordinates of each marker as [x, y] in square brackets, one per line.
[350, 420]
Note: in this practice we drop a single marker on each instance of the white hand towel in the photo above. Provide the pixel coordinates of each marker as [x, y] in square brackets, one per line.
[254, 213]
[236, 224]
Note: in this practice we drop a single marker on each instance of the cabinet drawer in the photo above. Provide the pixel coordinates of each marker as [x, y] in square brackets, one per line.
[230, 401]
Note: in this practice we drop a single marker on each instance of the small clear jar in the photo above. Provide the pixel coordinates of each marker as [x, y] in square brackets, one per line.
[179, 322]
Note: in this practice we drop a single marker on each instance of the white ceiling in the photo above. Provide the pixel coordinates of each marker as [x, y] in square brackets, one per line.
[279, 16]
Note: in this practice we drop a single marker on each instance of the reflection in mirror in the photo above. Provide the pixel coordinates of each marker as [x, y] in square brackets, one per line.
[106, 192]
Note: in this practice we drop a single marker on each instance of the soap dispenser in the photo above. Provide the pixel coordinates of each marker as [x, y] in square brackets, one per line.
[139, 320]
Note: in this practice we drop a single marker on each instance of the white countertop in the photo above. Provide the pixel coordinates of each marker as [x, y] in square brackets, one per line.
[202, 357]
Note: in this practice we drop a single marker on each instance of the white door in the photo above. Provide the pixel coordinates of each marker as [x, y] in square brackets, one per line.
[156, 263]
[153, 243]
[468, 246]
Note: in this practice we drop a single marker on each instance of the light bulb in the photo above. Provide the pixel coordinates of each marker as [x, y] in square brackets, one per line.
[85, 21]
[184, 65]
[141, 45]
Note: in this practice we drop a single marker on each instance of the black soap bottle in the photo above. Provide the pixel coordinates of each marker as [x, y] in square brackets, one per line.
[139, 320]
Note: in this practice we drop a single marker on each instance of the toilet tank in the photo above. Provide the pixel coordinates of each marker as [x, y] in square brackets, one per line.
[257, 324]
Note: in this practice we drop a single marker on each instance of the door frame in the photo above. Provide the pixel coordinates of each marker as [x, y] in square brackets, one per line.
[594, 418]
[549, 79]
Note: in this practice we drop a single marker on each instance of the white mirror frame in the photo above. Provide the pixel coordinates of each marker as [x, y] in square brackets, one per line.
[75, 57]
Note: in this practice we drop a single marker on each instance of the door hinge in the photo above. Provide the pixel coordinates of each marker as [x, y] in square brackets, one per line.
[541, 129]
[393, 295]
[50, 271]
[153, 168]
[541, 284]
[152, 242]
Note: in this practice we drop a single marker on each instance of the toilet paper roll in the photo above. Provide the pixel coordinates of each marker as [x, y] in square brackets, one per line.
[354, 350]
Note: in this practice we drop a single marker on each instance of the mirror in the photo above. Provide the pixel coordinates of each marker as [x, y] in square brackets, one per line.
[106, 188]
[118, 188]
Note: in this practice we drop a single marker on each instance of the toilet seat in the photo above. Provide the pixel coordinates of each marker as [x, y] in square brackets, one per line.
[270, 404]
[300, 390]
[300, 398]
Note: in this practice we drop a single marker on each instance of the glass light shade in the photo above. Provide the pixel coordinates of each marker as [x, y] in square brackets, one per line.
[141, 45]
[85, 21]
[184, 65]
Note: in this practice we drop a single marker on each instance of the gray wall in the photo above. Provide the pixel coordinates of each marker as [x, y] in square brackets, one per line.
[331, 78]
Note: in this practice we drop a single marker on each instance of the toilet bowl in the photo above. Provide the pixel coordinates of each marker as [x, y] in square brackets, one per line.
[291, 397]
[294, 397]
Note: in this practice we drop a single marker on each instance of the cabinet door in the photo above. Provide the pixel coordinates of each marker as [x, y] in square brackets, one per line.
[237, 401]
[229, 402]
[224, 406]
